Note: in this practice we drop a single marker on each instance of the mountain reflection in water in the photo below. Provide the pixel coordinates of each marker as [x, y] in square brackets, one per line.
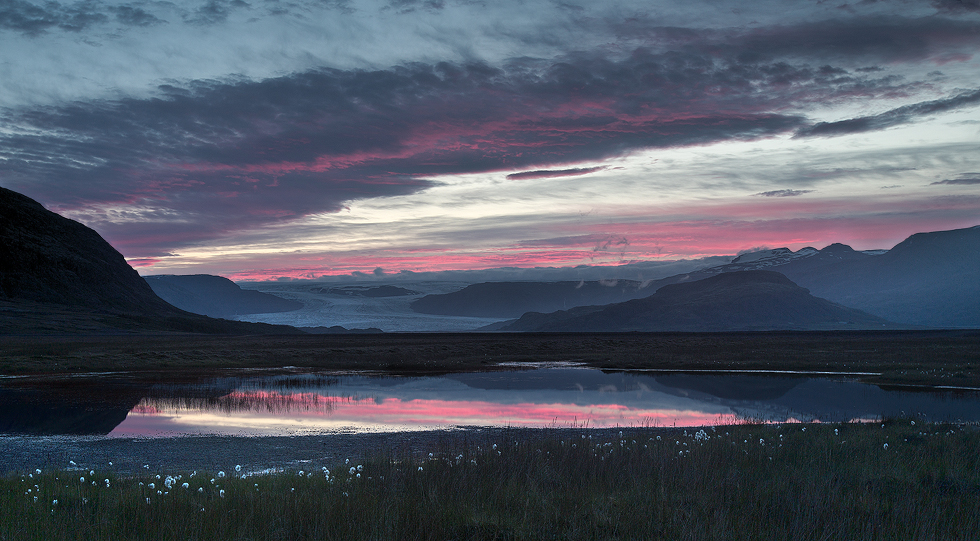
[312, 403]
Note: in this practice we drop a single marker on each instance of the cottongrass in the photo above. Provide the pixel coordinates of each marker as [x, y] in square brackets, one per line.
[749, 482]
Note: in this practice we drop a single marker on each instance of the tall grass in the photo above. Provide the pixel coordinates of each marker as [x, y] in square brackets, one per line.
[851, 481]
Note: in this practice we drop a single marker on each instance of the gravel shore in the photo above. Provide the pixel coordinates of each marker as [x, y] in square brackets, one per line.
[254, 454]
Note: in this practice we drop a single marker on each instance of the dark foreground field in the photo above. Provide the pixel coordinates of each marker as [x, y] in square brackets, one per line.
[949, 358]
[897, 480]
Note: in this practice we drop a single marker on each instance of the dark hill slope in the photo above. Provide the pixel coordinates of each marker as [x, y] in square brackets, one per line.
[735, 301]
[511, 299]
[59, 276]
[928, 279]
[216, 296]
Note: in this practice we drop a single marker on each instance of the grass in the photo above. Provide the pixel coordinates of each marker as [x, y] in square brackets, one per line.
[896, 480]
[948, 358]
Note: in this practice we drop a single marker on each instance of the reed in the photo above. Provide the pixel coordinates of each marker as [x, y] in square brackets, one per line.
[891, 480]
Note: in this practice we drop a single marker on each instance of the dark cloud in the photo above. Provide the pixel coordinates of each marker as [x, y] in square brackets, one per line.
[894, 117]
[214, 11]
[784, 193]
[33, 19]
[964, 179]
[552, 173]
[208, 157]
[957, 6]
[134, 16]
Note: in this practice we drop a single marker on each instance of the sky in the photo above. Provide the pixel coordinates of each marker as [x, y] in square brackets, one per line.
[277, 139]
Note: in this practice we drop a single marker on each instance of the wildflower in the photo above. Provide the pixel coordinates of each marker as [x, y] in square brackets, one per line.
[301, 472]
[107, 483]
[420, 468]
[358, 476]
[54, 502]
[169, 482]
[361, 468]
[886, 446]
[72, 462]
[200, 490]
[352, 470]
[147, 501]
[221, 493]
[238, 467]
[836, 432]
[81, 479]
[221, 474]
[37, 472]
[185, 486]
[91, 472]
[152, 486]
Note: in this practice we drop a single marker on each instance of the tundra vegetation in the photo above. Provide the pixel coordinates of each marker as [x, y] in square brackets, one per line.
[897, 479]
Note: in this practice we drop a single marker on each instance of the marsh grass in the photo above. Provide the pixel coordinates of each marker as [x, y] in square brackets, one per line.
[788, 481]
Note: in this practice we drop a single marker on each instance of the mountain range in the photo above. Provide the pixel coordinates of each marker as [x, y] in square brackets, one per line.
[755, 300]
[929, 279]
[59, 276]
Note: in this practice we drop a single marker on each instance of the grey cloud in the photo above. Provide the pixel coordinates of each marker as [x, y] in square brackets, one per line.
[552, 173]
[32, 19]
[894, 117]
[135, 16]
[957, 6]
[208, 157]
[784, 193]
[214, 11]
[964, 179]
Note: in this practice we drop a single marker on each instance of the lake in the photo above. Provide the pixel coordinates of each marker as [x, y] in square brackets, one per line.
[296, 402]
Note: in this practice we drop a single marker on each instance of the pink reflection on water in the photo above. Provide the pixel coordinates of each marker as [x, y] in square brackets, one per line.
[268, 411]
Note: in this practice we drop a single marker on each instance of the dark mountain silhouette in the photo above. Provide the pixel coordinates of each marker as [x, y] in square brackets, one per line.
[735, 301]
[512, 299]
[930, 279]
[59, 276]
[216, 296]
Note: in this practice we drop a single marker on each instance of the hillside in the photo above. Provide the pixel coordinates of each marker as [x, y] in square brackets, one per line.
[735, 301]
[58, 276]
[216, 296]
[512, 299]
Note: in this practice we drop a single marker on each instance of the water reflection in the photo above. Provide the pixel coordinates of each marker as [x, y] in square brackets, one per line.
[323, 403]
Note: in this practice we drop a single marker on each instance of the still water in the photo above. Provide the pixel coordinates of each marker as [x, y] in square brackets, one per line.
[305, 403]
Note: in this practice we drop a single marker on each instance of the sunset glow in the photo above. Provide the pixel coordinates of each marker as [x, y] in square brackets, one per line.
[322, 139]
